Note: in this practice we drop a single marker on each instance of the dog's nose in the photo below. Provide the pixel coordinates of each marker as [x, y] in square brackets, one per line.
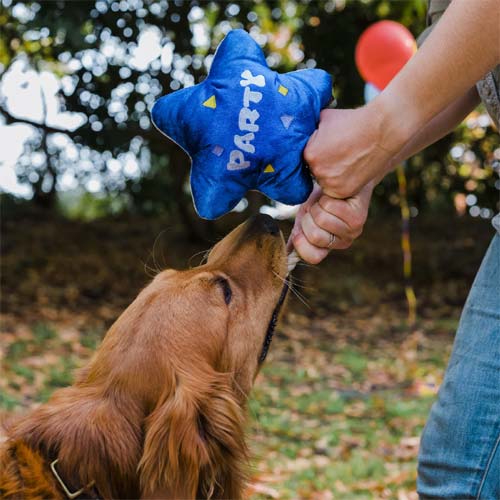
[265, 223]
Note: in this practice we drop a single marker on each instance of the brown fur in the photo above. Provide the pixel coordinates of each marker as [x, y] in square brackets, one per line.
[159, 412]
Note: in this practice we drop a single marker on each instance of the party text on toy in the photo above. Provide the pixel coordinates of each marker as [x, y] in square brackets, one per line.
[246, 121]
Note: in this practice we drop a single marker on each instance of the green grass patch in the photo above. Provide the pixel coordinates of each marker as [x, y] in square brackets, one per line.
[91, 338]
[42, 333]
[62, 375]
[353, 360]
[23, 371]
[8, 402]
[17, 349]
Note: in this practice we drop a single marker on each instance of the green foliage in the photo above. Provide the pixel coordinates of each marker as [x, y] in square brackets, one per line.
[43, 332]
[91, 338]
[87, 206]
[60, 376]
[17, 349]
[24, 371]
[8, 402]
[352, 359]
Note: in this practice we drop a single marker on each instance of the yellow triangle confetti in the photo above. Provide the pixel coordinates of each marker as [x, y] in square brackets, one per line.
[282, 90]
[269, 169]
[210, 103]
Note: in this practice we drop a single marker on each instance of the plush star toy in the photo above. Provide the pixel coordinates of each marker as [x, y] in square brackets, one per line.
[245, 127]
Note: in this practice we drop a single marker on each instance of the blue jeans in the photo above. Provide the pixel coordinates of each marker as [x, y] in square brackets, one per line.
[460, 450]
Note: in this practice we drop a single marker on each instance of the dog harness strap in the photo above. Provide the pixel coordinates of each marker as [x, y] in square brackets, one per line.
[67, 492]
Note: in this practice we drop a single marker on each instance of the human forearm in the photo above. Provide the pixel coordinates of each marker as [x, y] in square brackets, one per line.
[433, 79]
[438, 127]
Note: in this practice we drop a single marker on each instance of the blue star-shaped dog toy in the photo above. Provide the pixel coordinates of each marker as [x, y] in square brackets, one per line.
[245, 127]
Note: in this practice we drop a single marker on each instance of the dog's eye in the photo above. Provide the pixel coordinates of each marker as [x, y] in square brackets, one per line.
[226, 288]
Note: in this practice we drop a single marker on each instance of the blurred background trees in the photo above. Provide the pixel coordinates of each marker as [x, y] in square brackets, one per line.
[78, 80]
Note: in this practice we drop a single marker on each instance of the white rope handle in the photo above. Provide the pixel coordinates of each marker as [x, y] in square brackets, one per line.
[293, 259]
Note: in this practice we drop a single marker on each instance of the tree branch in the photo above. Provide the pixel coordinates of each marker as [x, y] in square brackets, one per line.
[10, 119]
[151, 135]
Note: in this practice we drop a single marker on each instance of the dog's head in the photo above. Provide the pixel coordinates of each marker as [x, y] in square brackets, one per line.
[165, 393]
[231, 302]
[218, 315]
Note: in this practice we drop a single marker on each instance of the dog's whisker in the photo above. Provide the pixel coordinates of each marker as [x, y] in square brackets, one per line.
[300, 280]
[304, 287]
[150, 272]
[283, 279]
[153, 253]
[205, 257]
[292, 289]
[165, 263]
[201, 252]
[301, 286]
[305, 264]
[154, 269]
[300, 297]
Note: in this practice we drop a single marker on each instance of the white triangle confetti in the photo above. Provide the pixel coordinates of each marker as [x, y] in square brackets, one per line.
[286, 120]
[217, 150]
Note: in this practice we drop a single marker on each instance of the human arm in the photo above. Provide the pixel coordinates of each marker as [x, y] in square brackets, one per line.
[352, 147]
[317, 218]
[439, 126]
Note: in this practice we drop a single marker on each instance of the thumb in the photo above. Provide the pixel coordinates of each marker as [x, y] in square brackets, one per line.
[295, 232]
[304, 208]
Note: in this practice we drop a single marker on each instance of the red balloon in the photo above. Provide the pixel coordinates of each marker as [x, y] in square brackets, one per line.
[382, 50]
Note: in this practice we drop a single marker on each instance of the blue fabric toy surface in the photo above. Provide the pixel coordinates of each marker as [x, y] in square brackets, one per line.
[245, 127]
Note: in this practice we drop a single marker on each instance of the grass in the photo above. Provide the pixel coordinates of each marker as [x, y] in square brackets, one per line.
[334, 414]
[322, 426]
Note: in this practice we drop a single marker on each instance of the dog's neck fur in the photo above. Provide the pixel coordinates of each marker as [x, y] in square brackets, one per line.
[94, 438]
[138, 421]
[189, 437]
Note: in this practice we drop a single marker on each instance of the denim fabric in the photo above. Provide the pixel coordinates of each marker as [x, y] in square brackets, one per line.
[460, 449]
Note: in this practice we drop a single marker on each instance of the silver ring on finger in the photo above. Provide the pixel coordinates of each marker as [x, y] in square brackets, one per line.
[332, 240]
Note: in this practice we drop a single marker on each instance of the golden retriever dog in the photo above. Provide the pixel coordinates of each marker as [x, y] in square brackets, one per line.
[159, 412]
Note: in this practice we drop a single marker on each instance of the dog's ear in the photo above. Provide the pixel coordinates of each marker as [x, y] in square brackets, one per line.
[194, 445]
[95, 437]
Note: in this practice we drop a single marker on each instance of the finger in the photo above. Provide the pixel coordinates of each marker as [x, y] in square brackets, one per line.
[330, 222]
[307, 252]
[335, 206]
[303, 209]
[315, 234]
[296, 225]
[340, 243]
[350, 212]
[320, 238]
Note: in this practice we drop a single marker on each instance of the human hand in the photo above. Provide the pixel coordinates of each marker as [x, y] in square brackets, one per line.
[350, 148]
[322, 216]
